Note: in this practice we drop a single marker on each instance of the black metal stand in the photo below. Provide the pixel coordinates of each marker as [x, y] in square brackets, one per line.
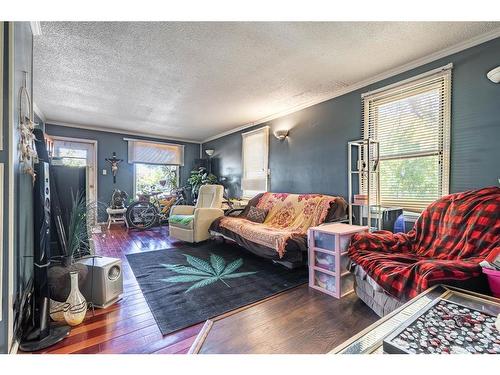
[56, 334]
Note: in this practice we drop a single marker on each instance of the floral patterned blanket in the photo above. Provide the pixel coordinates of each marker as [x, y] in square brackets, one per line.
[289, 215]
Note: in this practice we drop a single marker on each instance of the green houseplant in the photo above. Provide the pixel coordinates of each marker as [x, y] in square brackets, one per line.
[76, 243]
[77, 237]
[200, 177]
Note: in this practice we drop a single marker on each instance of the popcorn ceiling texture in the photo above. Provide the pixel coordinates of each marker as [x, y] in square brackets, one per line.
[195, 80]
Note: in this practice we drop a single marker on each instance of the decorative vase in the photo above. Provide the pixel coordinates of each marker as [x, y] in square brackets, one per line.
[76, 305]
[60, 287]
[57, 310]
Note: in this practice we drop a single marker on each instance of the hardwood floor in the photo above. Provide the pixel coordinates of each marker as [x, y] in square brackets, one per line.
[301, 320]
[127, 326]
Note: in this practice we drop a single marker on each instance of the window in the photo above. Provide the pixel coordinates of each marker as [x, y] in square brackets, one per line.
[152, 177]
[255, 152]
[411, 120]
[156, 165]
[73, 158]
[148, 152]
[73, 154]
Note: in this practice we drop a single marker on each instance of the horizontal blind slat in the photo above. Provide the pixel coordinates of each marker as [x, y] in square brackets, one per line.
[411, 122]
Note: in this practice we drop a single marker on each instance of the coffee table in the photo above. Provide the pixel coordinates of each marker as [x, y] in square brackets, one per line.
[369, 341]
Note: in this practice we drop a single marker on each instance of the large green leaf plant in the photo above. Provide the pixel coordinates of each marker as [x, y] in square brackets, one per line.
[200, 177]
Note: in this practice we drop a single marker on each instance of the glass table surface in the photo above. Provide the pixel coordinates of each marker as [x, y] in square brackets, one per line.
[369, 341]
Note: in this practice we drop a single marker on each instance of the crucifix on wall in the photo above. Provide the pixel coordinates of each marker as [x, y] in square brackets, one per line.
[114, 161]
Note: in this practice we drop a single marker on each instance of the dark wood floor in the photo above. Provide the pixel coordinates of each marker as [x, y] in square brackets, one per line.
[298, 321]
[127, 326]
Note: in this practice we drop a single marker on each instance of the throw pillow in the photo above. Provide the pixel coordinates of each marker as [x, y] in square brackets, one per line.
[257, 215]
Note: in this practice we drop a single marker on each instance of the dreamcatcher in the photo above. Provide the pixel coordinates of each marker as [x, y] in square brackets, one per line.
[27, 151]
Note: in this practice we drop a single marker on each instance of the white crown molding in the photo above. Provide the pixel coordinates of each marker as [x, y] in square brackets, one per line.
[379, 77]
[119, 131]
[36, 28]
[39, 113]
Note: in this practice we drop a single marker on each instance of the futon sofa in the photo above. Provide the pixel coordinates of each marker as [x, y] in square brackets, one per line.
[449, 240]
[282, 236]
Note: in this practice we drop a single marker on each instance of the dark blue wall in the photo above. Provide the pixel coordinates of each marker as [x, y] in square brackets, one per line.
[4, 159]
[107, 143]
[22, 183]
[314, 157]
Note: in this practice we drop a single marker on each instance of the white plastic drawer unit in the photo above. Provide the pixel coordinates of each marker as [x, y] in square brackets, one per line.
[328, 258]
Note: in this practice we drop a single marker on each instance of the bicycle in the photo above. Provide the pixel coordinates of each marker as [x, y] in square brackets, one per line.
[151, 209]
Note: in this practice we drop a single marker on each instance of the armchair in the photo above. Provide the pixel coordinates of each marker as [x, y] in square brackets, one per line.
[449, 240]
[191, 223]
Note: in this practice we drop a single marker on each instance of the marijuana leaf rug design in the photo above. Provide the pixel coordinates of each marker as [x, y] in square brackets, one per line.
[191, 284]
[204, 273]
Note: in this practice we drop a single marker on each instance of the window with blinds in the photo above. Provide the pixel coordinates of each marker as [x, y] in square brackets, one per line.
[255, 157]
[411, 120]
[147, 152]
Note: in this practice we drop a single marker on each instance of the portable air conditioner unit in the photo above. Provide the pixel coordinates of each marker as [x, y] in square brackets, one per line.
[104, 283]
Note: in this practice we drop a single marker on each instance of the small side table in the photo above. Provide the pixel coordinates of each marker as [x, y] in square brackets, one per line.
[328, 258]
[116, 216]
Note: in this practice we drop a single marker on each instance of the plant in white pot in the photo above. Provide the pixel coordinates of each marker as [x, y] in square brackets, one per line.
[67, 303]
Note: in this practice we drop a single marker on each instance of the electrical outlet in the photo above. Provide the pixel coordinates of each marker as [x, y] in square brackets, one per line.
[104, 172]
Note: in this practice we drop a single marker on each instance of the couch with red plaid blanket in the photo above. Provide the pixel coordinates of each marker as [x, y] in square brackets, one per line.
[448, 241]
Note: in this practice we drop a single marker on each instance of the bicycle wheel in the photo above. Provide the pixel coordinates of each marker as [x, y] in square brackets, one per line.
[141, 215]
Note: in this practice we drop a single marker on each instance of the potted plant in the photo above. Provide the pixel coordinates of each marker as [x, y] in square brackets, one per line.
[77, 237]
[200, 177]
[77, 243]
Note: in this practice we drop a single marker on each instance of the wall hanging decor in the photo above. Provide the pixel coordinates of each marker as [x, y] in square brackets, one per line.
[114, 161]
[27, 151]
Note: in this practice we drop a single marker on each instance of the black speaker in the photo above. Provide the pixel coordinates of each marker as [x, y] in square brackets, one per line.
[42, 249]
[41, 334]
[200, 163]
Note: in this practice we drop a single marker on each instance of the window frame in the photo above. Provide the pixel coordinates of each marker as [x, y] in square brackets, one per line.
[178, 172]
[369, 128]
[265, 131]
[132, 160]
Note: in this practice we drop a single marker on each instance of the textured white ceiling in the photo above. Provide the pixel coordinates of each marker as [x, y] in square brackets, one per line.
[194, 80]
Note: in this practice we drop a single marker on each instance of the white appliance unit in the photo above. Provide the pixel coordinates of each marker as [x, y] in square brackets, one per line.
[104, 282]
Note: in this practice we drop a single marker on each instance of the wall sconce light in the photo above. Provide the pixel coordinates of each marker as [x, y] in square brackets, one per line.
[494, 75]
[209, 152]
[281, 134]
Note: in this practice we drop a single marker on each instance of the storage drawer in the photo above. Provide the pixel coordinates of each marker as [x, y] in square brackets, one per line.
[324, 240]
[325, 281]
[344, 242]
[344, 261]
[347, 283]
[326, 261]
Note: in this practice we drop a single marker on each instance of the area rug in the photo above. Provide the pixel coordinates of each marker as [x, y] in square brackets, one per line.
[191, 284]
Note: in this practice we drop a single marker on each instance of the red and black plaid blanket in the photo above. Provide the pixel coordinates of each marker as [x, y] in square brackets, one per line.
[447, 243]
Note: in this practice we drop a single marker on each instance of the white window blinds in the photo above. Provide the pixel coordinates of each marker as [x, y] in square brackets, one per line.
[147, 152]
[411, 120]
[255, 155]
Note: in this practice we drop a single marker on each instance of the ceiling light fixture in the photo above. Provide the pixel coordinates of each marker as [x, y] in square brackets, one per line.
[209, 152]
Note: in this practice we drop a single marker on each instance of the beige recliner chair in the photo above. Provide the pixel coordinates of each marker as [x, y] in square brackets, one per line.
[191, 223]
